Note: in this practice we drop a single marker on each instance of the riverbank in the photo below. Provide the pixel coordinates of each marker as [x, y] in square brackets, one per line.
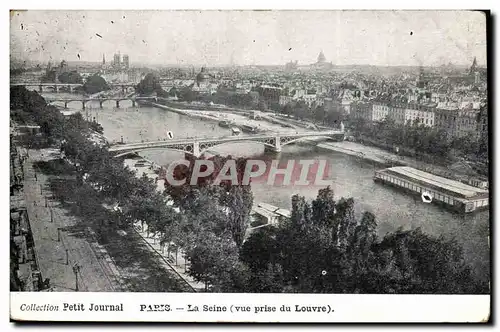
[264, 125]
[388, 159]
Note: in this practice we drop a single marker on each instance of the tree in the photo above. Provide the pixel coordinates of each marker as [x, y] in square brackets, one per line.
[261, 249]
[301, 110]
[323, 207]
[319, 114]
[214, 261]
[238, 200]
[187, 94]
[268, 280]
[429, 265]
[288, 109]
[49, 77]
[262, 106]
[149, 85]
[95, 84]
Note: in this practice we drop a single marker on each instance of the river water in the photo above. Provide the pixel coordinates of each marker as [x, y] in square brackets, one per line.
[349, 176]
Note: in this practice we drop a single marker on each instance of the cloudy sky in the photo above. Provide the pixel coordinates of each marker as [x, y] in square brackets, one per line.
[251, 37]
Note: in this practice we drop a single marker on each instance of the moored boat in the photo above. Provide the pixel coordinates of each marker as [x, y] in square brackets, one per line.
[224, 124]
[235, 131]
[249, 129]
[449, 193]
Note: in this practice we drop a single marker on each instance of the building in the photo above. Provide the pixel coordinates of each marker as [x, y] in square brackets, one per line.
[202, 84]
[125, 62]
[321, 63]
[458, 122]
[116, 61]
[397, 113]
[310, 97]
[482, 123]
[421, 113]
[285, 100]
[362, 110]
[291, 66]
[379, 111]
[271, 94]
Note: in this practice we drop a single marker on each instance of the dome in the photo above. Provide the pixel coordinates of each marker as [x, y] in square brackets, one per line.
[202, 75]
[321, 57]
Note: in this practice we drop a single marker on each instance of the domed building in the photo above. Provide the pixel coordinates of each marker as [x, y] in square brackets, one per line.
[321, 64]
[202, 78]
[321, 57]
[202, 83]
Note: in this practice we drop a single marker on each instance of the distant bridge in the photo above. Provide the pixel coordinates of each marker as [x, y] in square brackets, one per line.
[100, 100]
[198, 146]
[56, 86]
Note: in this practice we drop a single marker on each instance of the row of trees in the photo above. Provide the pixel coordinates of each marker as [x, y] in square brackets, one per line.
[421, 139]
[93, 84]
[323, 247]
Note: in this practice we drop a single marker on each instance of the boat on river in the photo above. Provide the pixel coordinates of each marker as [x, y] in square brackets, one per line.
[450, 193]
[249, 129]
[235, 131]
[224, 124]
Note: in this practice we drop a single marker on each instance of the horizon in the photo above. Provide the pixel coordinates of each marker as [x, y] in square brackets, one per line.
[188, 65]
[245, 38]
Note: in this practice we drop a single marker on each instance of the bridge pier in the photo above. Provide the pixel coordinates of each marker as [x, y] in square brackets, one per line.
[56, 87]
[40, 88]
[133, 103]
[65, 104]
[277, 146]
[196, 149]
[83, 104]
[117, 104]
[100, 103]
[70, 88]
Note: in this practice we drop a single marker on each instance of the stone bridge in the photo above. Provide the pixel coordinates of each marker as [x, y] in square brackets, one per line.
[197, 146]
[100, 100]
[70, 87]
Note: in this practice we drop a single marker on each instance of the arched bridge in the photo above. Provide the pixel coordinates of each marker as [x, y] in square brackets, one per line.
[196, 147]
[100, 100]
[69, 86]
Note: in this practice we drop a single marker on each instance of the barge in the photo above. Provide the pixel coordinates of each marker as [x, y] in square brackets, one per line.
[449, 193]
[235, 131]
[249, 129]
[224, 124]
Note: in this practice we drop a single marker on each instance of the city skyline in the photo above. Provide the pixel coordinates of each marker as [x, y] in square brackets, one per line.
[403, 38]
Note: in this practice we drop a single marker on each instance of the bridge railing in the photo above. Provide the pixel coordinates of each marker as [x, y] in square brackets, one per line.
[185, 140]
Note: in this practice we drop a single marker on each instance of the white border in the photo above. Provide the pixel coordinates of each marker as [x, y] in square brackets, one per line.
[256, 4]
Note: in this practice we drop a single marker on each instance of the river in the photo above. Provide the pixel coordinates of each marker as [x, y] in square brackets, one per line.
[349, 176]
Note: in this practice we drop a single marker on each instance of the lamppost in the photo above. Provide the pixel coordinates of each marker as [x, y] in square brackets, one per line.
[76, 269]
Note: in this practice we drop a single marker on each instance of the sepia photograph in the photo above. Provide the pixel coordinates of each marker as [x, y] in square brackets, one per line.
[247, 153]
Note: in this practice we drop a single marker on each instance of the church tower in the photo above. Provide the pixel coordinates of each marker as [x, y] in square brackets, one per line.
[473, 67]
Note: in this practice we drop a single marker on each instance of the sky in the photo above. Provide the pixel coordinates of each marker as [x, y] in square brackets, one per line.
[251, 37]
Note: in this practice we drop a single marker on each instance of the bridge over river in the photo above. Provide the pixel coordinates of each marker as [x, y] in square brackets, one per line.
[67, 86]
[196, 147]
[100, 100]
